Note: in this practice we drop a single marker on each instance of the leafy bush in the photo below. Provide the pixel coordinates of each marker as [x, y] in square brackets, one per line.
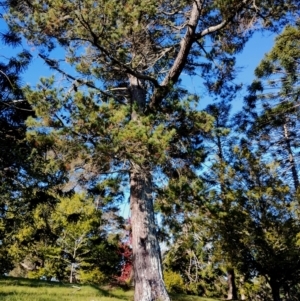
[174, 282]
[92, 276]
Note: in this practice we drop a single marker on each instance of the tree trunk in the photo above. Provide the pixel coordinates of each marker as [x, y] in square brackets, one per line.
[71, 273]
[291, 156]
[242, 289]
[148, 279]
[275, 287]
[232, 291]
[147, 268]
[287, 292]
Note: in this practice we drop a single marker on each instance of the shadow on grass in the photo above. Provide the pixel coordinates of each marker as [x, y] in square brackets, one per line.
[11, 281]
[108, 293]
[3, 295]
[184, 297]
[25, 282]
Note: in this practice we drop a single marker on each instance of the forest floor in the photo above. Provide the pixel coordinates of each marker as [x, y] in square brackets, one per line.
[19, 289]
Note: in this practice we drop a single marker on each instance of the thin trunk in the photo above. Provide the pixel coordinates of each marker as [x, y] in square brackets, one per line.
[275, 287]
[220, 149]
[242, 289]
[147, 268]
[232, 291]
[291, 156]
[226, 204]
[287, 292]
[71, 273]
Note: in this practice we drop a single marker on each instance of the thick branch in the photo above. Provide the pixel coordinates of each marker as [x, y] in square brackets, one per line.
[221, 25]
[180, 61]
[185, 46]
[212, 29]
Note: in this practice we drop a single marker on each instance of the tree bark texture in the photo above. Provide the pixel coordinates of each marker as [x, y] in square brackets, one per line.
[147, 267]
[232, 291]
[148, 278]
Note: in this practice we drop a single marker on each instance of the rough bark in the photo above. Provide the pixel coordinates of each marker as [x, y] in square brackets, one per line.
[147, 268]
[232, 291]
[148, 279]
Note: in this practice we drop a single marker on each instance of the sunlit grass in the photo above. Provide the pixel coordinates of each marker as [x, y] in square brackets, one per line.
[16, 289]
[19, 289]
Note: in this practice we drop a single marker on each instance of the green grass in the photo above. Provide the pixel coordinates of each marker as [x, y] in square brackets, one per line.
[19, 289]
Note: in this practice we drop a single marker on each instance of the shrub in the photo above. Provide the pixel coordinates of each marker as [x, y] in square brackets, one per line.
[93, 276]
[174, 282]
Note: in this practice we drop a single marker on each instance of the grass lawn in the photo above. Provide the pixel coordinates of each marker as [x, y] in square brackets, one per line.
[18, 289]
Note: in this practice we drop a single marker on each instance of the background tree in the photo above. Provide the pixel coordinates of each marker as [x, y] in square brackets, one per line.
[65, 241]
[271, 124]
[268, 203]
[273, 103]
[219, 178]
[14, 152]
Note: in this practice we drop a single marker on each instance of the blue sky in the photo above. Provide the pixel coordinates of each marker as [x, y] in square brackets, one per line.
[248, 59]
[246, 62]
[251, 56]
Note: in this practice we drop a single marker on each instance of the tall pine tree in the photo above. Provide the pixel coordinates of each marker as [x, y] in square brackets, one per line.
[123, 110]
